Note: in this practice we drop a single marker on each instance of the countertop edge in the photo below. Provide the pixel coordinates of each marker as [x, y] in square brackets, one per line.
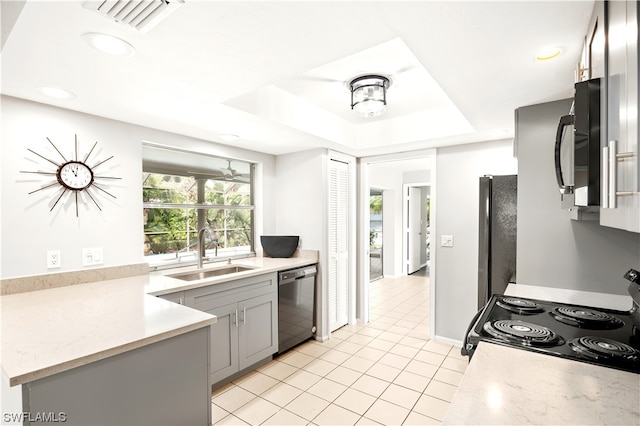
[107, 353]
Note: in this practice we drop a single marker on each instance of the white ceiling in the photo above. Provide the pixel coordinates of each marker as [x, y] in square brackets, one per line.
[274, 72]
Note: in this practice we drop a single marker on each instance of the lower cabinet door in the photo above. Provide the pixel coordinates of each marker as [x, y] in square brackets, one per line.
[258, 331]
[224, 342]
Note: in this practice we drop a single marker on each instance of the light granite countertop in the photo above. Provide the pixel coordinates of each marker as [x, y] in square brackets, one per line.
[515, 387]
[48, 331]
[162, 283]
[512, 386]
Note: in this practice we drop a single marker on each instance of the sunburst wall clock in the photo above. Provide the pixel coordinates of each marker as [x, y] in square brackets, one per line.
[77, 177]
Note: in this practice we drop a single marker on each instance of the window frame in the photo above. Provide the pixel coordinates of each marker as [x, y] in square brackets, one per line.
[167, 260]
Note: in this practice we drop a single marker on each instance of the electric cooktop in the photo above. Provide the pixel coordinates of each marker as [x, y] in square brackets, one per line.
[598, 336]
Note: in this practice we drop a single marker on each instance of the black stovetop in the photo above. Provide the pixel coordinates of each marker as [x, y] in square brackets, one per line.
[598, 336]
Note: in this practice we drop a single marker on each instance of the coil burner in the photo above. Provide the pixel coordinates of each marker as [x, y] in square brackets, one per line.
[524, 333]
[519, 306]
[599, 348]
[585, 318]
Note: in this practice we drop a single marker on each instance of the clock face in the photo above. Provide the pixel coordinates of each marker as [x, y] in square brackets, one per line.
[75, 175]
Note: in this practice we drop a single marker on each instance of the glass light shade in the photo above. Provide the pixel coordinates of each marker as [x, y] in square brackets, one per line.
[369, 95]
[109, 44]
[56, 92]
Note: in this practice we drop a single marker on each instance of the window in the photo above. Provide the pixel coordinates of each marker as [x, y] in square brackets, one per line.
[184, 192]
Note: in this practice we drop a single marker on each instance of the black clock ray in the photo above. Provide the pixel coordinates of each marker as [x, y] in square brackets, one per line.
[43, 157]
[104, 190]
[54, 204]
[93, 199]
[102, 162]
[86, 157]
[44, 187]
[56, 148]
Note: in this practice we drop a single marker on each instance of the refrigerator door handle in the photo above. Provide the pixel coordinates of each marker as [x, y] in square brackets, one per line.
[565, 120]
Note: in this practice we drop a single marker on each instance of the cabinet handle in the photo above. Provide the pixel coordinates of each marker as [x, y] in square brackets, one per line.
[622, 156]
[605, 178]
[236, 319]
[613, 170]
[610, 160]
[180, 301]
[244, 315]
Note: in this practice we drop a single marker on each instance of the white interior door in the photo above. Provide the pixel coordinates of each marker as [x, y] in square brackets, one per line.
[414, 229]
[338, 281]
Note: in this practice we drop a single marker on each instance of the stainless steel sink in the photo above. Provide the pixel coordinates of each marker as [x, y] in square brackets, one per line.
[209, 273]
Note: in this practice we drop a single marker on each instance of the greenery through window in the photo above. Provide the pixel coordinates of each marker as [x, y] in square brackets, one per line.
[189, 193]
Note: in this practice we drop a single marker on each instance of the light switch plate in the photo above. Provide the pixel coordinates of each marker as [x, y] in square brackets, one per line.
[446, 240]
[53, 259]
[92, 256]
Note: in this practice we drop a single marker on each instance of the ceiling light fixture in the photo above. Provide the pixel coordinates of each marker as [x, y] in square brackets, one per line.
[109, 44]
[56, 92]
[548, 53]
[369, 94]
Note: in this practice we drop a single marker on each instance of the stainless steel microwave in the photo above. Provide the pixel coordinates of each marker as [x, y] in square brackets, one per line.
[577, 148]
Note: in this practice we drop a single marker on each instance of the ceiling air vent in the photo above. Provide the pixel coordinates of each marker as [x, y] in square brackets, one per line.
[141, 15]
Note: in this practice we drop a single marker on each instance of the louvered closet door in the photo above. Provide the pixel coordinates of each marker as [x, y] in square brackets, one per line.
[338, 244]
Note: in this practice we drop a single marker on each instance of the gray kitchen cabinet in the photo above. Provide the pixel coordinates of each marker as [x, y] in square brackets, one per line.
[246, 331]
[258, 329]
[593, 60]
[224, 339]
[620, 172]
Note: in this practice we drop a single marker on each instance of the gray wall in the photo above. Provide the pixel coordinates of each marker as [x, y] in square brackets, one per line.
[458, 169]
[553, 250]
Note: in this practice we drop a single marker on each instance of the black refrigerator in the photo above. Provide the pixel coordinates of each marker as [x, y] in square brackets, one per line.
[498, 205]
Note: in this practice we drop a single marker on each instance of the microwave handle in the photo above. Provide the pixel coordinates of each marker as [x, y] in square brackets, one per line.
[565, 120]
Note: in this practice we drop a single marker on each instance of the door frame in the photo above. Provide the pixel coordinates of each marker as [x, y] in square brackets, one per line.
[381, 191]
[362, 284]
[405, 220]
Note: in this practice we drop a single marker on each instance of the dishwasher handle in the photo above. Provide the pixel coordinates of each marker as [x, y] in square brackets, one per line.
[287, 277]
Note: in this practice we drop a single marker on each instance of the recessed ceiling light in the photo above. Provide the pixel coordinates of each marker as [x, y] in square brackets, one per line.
[56, 92]
[548, 53]
[109, 44]
[229, 137]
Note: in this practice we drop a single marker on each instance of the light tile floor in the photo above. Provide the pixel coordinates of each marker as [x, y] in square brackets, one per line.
[386, 372]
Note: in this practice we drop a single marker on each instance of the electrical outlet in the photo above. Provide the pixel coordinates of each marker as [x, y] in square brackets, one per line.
[92, 256]
[53, 259]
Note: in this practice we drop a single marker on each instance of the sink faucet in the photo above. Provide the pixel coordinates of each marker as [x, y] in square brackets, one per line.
[201, 243]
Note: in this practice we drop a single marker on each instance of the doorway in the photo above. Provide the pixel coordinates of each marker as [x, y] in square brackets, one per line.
[376, 263]
[417, 217]
[389, 173]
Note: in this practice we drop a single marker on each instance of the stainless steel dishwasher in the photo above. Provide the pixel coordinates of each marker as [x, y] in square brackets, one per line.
[296, 306]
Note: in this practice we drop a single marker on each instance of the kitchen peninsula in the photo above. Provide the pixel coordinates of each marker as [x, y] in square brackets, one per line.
[110, 352]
